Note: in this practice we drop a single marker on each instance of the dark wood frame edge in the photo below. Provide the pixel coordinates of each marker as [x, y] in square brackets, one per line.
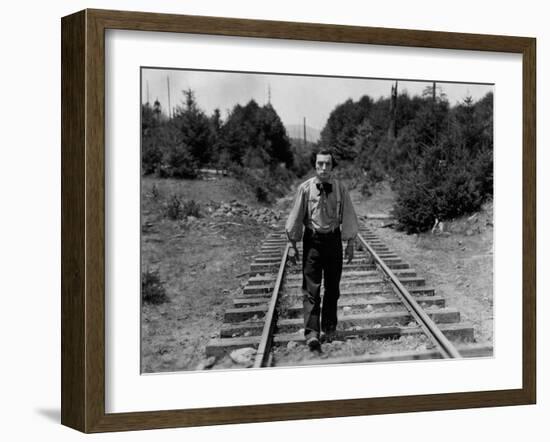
[83, 216]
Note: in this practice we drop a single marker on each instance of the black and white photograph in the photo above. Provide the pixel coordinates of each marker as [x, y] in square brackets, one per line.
[273, 221]
[292, 220]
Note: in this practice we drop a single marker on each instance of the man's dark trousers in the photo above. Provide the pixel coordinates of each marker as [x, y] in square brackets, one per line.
[322, 256]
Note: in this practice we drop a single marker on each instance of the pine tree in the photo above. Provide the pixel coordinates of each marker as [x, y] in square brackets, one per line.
[194, 128]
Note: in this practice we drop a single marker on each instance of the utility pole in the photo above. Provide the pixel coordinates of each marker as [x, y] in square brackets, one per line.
[393, 111]
[147, 91]
[268, 94]
[169, 105]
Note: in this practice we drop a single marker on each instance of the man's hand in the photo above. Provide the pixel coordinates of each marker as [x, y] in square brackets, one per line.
[349, 252]
[293, 254]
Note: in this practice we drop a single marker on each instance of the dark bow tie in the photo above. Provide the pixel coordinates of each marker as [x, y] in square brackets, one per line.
[324, 187]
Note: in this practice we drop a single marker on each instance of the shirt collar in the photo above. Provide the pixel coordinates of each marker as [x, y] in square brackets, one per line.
[317, 180]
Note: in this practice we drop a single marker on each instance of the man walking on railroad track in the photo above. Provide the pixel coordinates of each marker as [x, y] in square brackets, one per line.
[322, 217]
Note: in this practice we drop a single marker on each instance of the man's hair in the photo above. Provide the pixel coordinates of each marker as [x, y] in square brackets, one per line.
[323, 151]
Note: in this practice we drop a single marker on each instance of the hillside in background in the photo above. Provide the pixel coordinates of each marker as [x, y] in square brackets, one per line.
[297, 131]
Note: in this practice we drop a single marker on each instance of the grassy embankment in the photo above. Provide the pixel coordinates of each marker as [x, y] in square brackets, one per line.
[457, 261]
[200, 263]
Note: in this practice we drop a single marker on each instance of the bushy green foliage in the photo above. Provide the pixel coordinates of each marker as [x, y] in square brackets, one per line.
[438, 158]
[301, 156]
[372, 175]
[343, 125]
[174, 208]
[152, 288]
[449, 179]
[261, 194]
[179, 162]
[267, 183]
[151, 158]
[177, 209]
[164, 150]
[252, 137]
[444, 186]
[194, 129]
[192, 208]
[414, 206]
[251, 143]
[255, 137]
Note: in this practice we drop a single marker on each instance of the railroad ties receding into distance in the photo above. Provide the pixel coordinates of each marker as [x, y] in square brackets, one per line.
[369, 307]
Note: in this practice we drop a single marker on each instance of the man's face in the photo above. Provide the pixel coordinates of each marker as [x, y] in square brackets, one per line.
[323, 167]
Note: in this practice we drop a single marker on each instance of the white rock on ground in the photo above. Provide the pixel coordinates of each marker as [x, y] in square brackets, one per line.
[243, 356]
[206, 363]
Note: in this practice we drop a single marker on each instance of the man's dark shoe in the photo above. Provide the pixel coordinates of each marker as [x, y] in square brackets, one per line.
[314, 344]
[329, 336]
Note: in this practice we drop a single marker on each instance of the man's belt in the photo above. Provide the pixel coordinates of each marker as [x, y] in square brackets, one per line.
[320, 233]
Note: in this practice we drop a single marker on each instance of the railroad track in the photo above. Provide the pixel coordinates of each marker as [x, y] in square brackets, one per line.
[386, 312]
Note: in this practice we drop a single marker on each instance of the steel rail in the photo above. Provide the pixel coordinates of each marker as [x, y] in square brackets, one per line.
[429, 327]
[264, 348]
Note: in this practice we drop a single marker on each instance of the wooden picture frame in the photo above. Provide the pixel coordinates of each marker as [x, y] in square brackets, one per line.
[83, 220]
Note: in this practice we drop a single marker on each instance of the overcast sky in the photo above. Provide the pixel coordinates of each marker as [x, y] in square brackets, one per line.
[293, 97]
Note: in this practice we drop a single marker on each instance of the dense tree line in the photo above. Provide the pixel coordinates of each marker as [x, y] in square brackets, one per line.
[251, 136]
[438, 157]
